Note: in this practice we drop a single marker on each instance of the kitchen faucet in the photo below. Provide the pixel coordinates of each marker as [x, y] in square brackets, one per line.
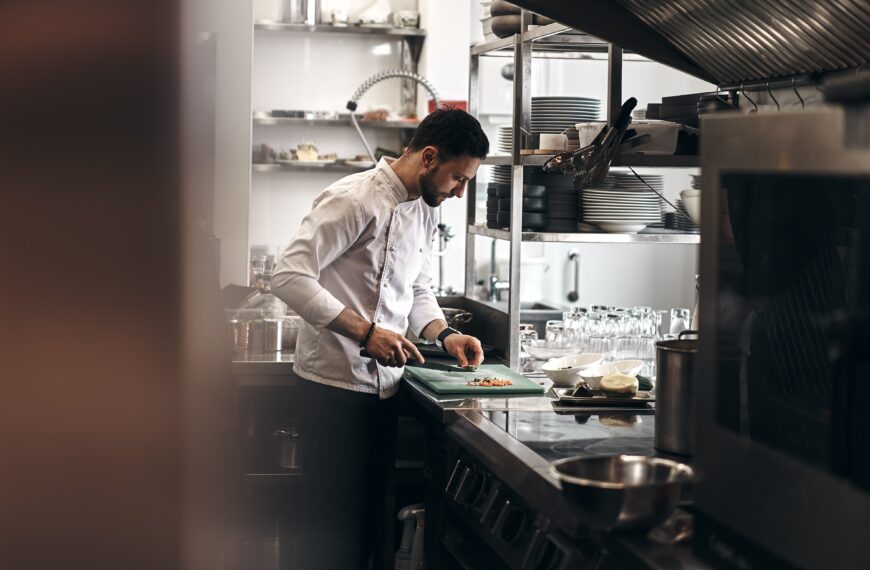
[495, 286]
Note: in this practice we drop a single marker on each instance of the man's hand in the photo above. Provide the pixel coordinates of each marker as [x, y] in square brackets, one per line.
[464, 348]
[392, 349]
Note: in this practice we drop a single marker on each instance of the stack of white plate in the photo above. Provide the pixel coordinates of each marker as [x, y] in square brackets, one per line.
[505, 138]
[555, 114]
[623, 204]
[696, 181]
[502, 174]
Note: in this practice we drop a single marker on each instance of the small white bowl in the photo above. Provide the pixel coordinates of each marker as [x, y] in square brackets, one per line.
[630, 367]
[564, 371]
[593, 375]
[692, 203]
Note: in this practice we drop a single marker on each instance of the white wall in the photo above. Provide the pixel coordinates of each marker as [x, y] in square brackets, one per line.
[232, 22]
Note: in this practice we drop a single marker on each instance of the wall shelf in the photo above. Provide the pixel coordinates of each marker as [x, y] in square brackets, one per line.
[342, 121]
[336, 167]
[581, 237]
[269, 26]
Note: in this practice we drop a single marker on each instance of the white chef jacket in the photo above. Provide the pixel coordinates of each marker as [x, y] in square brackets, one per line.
[366, 247]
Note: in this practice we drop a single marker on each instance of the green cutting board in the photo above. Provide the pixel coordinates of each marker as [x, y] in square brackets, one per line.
[444, 381]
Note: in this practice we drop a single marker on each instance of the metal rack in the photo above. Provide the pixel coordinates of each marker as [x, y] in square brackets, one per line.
[553, 41]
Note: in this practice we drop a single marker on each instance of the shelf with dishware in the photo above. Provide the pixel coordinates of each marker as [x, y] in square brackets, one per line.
[339, 120]
[269, 26]
[621, 208]
[587, 237]
[302, 166]
[636, 160]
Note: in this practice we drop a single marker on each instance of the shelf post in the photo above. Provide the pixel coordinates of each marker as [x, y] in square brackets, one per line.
[521, 125]
[614, 82]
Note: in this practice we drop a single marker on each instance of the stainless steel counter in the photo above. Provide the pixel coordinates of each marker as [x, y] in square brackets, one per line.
[264, 369]
[517, 437]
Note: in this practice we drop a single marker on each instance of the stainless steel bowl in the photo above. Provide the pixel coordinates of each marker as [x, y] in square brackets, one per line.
[622, 491]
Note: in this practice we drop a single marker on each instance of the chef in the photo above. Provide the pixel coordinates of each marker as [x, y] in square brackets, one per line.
[357, 272]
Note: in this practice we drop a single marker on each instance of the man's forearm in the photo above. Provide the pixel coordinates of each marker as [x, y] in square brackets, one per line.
[350, 324]
[431, 331]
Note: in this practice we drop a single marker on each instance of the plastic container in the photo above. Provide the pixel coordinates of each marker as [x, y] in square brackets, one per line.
[664, 137]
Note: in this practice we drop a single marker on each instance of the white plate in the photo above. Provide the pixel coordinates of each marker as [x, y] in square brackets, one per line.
[617, 218]
[605, 215]
[612, 228]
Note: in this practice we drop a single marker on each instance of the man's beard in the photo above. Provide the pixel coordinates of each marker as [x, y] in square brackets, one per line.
[427, 188]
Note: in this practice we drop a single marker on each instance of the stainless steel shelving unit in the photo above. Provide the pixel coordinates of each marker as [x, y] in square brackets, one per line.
[550, 41]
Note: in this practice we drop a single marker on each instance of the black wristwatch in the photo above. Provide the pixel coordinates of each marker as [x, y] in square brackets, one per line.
[444, 334]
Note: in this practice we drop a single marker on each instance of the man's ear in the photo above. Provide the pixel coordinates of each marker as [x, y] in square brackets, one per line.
[429, 156]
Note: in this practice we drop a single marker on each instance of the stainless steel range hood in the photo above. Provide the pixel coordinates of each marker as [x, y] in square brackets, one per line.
[727, 41]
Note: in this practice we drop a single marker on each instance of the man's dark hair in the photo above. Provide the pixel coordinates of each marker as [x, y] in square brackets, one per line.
[454, 132]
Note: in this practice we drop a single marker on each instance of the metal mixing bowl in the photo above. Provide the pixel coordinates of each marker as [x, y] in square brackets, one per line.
[622, 491]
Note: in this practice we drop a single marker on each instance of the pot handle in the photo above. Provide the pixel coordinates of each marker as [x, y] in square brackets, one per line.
[687, 333]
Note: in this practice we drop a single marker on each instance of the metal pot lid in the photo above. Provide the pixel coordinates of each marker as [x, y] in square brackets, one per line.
[726, 42]
[686, 345]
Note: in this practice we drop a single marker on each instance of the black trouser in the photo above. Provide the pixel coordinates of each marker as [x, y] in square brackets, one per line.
[349, 442]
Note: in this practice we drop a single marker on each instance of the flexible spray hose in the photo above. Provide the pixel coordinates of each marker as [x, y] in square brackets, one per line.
[377, 78]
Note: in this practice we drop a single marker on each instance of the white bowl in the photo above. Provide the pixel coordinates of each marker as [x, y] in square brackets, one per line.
[692, 203]
[630, 367]
[593, 375]
[563, 371]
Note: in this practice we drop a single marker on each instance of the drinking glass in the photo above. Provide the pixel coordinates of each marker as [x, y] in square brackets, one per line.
[625, 347]
[646, 352]
[680, 321]
[555, 334]
[528, 336]
[613, 324]
[600, 344]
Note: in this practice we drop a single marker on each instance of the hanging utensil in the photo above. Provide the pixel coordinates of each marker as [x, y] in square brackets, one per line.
[590, 164]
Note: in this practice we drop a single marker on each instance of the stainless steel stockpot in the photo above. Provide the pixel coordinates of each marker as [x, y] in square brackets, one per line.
[676, 362]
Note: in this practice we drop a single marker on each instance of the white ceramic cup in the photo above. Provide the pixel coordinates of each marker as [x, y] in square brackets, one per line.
[552, 141]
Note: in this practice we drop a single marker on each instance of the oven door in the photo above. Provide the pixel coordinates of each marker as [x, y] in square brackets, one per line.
[781, 434]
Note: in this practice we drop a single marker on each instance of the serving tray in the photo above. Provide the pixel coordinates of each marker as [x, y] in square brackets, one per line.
[641, 400]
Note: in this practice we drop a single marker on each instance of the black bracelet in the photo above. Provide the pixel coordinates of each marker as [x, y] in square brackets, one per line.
[368, 335]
